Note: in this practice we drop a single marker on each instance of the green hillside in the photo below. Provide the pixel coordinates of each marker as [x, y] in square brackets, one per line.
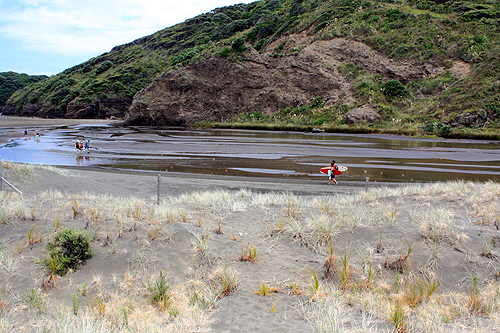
[422, 31]
[10, 82]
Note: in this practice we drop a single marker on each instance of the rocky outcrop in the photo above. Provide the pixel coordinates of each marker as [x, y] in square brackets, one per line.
[35, 110]
[106, 108]
[218, 89]
[366, 113]
[473, 119]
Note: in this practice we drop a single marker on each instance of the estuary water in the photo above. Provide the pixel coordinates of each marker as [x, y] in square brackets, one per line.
[382, 158]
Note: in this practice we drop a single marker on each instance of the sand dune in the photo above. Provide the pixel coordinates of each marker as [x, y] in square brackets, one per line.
[409, 258]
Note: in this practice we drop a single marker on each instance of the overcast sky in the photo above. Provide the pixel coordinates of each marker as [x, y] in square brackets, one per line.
[49, 36]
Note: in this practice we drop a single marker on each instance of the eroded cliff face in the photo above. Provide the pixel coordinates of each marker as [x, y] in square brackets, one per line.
[218, 90]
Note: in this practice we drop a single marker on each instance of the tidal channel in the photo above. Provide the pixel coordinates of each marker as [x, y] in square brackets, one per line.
[382, 158]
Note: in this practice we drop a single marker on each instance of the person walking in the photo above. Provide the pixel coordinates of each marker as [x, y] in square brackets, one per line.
[79, 146]
[331, 173]
[87, 146]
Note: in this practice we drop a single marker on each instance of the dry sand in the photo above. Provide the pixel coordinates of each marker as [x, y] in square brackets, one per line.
[394, 241]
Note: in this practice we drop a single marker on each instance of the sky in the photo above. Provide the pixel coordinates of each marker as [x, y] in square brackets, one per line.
[48, 36]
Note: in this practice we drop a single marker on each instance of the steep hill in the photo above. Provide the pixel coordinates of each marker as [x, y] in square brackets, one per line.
[10, 82]
[309, 62]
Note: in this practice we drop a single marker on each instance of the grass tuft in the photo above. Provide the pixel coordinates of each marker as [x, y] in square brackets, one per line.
[249, 253]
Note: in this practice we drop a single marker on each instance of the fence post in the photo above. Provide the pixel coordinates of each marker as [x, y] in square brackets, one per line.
[158, 185]
[367, 181]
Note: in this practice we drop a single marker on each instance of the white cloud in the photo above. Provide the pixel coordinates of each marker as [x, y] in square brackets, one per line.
[91, 27]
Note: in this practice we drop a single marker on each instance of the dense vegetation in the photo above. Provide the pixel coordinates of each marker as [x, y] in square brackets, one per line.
[11, 81]
[425, 31]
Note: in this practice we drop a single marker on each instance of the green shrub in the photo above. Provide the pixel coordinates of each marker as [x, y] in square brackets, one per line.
[320, 121]
[86, 69]
[224, 53]
[394, 88]
[438, 128]
[185, 56]
[238, 44]
[221, 18]
[70, 248]
[256, 115]
[117, 86]
[103, 67]
[317, 102]
[443, 129]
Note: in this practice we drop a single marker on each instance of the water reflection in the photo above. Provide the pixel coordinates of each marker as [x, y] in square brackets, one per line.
[83, 160]
[262, 153]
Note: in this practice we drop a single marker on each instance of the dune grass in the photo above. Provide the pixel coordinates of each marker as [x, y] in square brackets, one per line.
[23, 170]
[384, 251]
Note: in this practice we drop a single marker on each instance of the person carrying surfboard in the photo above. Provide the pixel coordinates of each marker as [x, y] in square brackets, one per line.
[331, 173]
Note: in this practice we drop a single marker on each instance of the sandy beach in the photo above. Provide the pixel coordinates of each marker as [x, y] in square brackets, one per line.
[245, 254]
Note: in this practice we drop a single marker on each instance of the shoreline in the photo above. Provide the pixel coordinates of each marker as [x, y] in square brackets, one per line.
[143, 184]
[465, 134]
[13, 127]
[11, 131]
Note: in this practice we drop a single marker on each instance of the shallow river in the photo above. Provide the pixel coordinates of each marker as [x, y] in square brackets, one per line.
[382, 158]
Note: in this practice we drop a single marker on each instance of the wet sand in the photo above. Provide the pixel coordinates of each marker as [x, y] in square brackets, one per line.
[13, 127]
[249, 154]
[143, 184]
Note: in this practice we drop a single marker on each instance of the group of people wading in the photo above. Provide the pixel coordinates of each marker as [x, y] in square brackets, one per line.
[80, 146]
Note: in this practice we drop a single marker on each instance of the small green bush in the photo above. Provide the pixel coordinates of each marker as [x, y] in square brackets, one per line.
[103, 67]
[320, 121]
[256, 115]
[70, 248]
[437, 128]
[160, 291]
[224, 53]
[443, 129]
[86, 69]
[238, 44]
[118, 86]
[394, 88]
[317, 102]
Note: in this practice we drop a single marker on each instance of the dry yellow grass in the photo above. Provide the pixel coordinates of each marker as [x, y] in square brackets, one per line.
[406, 258]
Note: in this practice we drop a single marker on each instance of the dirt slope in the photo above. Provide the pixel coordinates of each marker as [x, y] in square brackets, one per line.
[219, 89]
